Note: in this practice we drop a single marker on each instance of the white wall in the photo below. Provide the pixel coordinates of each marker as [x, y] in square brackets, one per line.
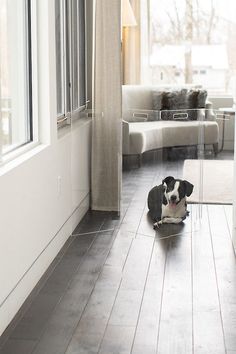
[36, 216]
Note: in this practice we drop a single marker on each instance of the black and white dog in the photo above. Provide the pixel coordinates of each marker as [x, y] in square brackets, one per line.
[167, 202]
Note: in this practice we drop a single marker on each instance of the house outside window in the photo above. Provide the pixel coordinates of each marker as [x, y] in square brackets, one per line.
[193, 42]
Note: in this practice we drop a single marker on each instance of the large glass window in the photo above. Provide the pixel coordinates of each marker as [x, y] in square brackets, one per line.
[70, 58]
[15, 75]
[194, 42]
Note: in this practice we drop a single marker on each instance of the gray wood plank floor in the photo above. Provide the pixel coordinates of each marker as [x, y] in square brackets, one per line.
[134, 290]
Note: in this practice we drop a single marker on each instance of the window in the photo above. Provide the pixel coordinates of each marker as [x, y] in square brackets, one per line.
[16, 121]
[196, 39]
[70, 59]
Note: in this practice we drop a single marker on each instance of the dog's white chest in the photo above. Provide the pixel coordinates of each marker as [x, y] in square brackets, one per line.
[179, 211]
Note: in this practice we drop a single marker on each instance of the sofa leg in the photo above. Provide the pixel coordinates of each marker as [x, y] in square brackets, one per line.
[216, 148]
[139, 160]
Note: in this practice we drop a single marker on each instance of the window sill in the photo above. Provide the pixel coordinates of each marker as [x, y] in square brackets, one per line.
[76, 123]
[16, 158]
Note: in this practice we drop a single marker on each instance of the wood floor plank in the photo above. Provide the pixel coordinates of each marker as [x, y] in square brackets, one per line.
[90, 330]
[120, 249]
[131, 220]
[136, 266]
[87, 338]
[126, 308]
[91, 222]
[145, 340]
[146, 224]
[229, 216]
[93, 322]
[208, 331]
[175, 333]
[66, 316]
[225, 264]
[35, 318]
[118, 339]
[18, 346]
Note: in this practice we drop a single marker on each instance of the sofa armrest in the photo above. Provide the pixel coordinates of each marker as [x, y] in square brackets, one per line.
[125, 137]
[209, 105]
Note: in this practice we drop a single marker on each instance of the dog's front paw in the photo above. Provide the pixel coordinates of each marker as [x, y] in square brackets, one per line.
[157, 224]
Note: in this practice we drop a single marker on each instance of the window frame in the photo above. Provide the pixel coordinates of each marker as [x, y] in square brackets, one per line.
[31, 93]
[70, 113]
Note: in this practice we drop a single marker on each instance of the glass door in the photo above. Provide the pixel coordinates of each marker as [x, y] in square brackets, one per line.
[168, 143]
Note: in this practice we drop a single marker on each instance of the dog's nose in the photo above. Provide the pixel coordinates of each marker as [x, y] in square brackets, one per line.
[173, 198]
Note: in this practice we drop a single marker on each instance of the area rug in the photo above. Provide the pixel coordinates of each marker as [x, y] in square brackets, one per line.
[216, 184]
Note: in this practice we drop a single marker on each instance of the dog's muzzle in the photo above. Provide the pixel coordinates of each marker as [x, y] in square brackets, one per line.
[173, 201]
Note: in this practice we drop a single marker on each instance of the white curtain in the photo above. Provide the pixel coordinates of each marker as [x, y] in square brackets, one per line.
[106, 128]
[132, 47]
[136, 45]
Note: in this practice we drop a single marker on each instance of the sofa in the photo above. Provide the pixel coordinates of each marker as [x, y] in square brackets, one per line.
[157, 118]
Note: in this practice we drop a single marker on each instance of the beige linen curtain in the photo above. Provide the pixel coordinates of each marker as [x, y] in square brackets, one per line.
[106, 125]
[136, 45]
[131, 45]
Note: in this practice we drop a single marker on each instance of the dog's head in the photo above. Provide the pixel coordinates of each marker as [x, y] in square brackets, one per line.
[176, 189]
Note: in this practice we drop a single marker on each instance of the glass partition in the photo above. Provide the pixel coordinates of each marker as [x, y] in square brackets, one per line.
[196, 145]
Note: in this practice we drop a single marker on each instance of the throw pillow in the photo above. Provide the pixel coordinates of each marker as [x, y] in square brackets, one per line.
[192, 98]
[156, 100]
[201, 100]
[175, 99]
[177, 105]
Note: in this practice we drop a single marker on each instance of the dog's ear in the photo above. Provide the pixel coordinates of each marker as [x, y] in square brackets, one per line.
[167, 180]
[188, 188]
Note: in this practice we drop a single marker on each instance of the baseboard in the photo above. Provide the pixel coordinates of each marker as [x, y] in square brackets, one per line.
[79, 212]
[14, 304]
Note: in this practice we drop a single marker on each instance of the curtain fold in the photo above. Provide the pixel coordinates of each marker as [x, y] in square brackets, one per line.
[107, 122]
[132, 45]
[136, 42]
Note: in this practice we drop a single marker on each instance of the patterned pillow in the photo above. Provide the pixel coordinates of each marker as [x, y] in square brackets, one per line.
[201, 99]
[179, 105]
[174, 99]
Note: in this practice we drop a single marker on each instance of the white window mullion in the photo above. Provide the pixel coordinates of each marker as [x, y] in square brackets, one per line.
[70, 61]
[64, 55]
[1, 134]
[34, 69]
[72, 66]
[86, 55]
